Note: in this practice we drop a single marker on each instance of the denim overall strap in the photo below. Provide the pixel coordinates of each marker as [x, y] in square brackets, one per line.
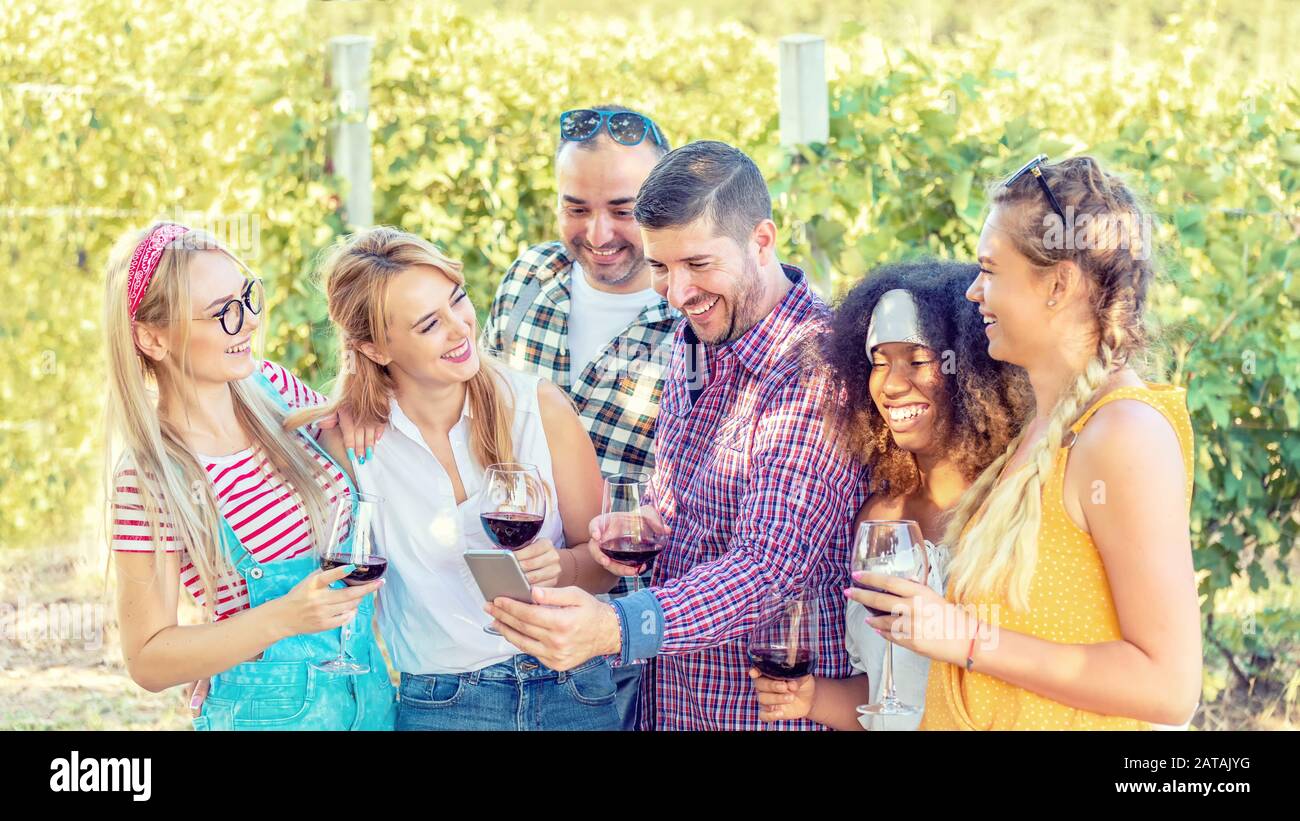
[281, 691]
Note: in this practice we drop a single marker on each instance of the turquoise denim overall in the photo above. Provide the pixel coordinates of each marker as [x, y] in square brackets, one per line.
[281, 690]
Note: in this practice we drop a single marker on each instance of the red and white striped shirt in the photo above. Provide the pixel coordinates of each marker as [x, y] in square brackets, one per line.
[264, 515]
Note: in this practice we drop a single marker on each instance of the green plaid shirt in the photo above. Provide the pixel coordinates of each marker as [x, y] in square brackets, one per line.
[617, 395]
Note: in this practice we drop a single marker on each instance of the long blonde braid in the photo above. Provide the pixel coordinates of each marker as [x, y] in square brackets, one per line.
[999, 552]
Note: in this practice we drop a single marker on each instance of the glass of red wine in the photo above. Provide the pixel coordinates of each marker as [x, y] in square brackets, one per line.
[352, 541]
[512, 507]
[784, 644]
[630, 531]
[892, 548]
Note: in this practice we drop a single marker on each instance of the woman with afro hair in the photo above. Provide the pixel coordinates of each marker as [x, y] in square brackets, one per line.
[919, 402]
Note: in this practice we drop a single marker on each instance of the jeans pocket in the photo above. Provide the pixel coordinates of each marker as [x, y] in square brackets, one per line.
[273, 712]
[432, 691]
[592, 684]
[264, 711]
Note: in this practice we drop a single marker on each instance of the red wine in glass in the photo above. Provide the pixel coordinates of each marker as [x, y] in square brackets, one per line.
[783, 645]
[872, 610]
[367, 569]
[631, 551]
[352, 541]
[511, 529]
[775, 662]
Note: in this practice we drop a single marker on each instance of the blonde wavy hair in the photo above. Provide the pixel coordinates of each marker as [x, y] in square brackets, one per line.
[999, 553]
[357, 274]
[173, 485]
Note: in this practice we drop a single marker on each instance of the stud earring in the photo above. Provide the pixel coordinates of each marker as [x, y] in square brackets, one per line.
[1051, 302]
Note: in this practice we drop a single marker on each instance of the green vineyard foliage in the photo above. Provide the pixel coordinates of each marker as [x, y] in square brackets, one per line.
[114, 112]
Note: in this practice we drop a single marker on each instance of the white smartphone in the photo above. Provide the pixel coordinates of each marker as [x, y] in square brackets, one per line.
[498, 574]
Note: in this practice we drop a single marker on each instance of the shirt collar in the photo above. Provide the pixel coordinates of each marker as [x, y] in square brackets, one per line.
[654, 312]
[559, 263]
[755, 347]
[403, 424]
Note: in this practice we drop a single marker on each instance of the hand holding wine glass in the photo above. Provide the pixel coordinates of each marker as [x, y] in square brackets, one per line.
[784, 645]
[512, 507]
[783, 699]
[313, 606]
[512, 504]
[891, 548]
[540, 561]
[352, 545]
[628, 534]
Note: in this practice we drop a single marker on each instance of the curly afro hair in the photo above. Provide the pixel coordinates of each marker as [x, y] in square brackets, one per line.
[987, 401]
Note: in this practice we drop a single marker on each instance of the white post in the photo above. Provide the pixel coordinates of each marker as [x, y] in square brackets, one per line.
[350, 75]
[805, 114]
[805, 107]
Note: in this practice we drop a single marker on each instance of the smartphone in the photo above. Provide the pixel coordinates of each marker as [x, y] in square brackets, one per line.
[498, 574]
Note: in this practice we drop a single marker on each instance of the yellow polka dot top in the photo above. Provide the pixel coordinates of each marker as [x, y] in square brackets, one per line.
[1069, 602]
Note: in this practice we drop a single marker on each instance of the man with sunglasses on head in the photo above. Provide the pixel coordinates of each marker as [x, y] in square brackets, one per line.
[752, 497]
[581, 311]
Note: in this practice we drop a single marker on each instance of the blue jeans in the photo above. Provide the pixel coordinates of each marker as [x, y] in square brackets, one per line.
[519, 694]
[627, 678]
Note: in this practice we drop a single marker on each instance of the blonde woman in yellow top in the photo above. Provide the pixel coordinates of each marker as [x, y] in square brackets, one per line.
[1071, 597]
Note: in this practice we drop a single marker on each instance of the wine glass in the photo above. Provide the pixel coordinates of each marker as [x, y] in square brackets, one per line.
[352, 541]
[512, 507]
[892, 548]
[630, 531]
[784, 644]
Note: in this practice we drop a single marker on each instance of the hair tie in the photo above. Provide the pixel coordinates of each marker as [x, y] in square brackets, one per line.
[144, 262]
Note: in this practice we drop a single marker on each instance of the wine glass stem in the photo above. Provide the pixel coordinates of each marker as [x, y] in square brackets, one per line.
[634, 584]
[888, 675]
[344, 634]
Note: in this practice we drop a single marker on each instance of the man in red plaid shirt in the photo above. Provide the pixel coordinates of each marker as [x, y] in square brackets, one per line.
[758, 500]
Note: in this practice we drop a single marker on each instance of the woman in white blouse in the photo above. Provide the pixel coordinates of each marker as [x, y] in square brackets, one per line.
[408, 332]
[923, 406]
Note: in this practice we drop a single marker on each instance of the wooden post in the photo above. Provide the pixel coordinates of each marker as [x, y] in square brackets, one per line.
[805, 107]
[350, 151]
[805, 115]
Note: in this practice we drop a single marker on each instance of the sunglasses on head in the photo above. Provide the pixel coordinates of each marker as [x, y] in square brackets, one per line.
[1034, 168]
[624, 127]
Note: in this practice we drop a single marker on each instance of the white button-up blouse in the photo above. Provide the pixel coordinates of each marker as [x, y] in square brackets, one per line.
[430, 610]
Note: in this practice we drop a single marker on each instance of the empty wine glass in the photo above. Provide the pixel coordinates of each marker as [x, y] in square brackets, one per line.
[892, 548]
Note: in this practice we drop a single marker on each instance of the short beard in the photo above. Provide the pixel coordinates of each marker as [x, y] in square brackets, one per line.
[745, 305]
[619, 277]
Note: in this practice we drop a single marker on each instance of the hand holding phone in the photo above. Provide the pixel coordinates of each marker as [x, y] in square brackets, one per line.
[498, 574]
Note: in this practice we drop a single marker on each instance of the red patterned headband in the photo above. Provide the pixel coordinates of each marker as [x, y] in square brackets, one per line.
[144, 262]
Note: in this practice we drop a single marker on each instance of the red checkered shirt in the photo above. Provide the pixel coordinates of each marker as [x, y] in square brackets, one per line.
[759, 502]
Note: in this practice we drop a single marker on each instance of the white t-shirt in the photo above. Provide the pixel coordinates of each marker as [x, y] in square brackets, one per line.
[596, 317]
[431, 611]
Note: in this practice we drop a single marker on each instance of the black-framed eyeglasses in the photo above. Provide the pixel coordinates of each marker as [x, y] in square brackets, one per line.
[231, 315]
[624, 127]
[1034, 168]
